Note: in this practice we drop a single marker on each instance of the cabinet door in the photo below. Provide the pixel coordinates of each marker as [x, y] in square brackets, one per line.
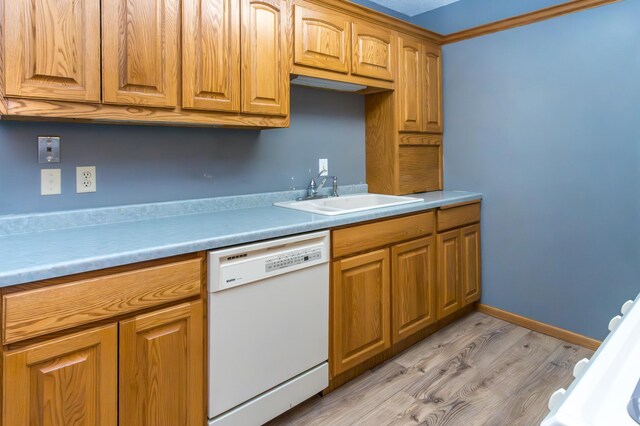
[161, 368]
[413, 287]
[265, 65]
[321, 40]
[211, 55]
[470, 264]
[52, 49]
[449, 300]
[67, 381]
[360, 309]
[410, 85]
[373, 50]
[433, 88]
[140, 52]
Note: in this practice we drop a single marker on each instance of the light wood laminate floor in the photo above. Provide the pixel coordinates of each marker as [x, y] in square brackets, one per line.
[478, 371]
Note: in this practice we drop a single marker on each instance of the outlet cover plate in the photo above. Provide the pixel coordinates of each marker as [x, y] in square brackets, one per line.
[323, 166]
[85, 179]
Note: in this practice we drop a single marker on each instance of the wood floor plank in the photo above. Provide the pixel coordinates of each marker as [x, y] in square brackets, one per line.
[348, 403]
[388, 411]
[486, 391]
[354, 400]
[523, 406]
[479, 370]
[452, 336]
[463, 365]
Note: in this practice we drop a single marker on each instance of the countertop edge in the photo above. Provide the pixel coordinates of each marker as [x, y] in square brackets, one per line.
[318, 222]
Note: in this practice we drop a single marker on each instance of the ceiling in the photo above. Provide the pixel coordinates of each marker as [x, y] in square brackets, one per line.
[413, 7]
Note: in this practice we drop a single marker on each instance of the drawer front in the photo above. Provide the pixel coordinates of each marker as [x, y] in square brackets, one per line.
[45, 310]
[458, 216]
[372, 235]
[419, 139]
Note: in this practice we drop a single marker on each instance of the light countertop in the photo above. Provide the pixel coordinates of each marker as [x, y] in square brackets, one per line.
[33, 256]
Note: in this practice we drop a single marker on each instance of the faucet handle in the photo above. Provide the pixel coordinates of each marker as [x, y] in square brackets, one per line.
[312, 188]
[335, 187]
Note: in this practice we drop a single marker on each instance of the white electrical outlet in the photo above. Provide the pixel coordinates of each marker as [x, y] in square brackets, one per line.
[323, 166]
[50, 182]
[85, 179]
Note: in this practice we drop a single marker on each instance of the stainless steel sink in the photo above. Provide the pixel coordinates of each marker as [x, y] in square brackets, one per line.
[348, 204]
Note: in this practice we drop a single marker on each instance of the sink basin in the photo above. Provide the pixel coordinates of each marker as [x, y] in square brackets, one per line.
[348, 204]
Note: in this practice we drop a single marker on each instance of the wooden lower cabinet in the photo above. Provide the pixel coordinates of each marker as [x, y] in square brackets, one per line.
[145, 371]
[360, 309]
[397, 280]
[161, 367]
[413, 287]
[448, 273]
[470, 258]
[70, 380]
[458, 269]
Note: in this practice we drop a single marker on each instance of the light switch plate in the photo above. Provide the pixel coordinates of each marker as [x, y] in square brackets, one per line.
[48, 149]
[50, 182]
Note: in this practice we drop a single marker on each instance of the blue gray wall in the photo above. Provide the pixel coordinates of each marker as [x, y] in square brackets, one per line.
[544, 120]
[471, 13]
[137, 164]
[466, 13]
[380, 8]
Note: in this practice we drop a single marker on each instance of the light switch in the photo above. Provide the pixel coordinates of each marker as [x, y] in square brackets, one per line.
[48, 149]
[50, 181]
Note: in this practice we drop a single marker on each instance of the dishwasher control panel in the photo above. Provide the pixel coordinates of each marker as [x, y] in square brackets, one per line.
[241, 265]
[291, 259]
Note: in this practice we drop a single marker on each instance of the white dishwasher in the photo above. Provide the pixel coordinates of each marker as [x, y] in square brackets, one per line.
[268, 327]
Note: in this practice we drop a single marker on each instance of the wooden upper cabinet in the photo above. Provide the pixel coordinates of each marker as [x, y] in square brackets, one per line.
[410, 88]
[211, 55]
[360, 309]
[66, 381]
[265, 63]
[321, 39]
[470, 258]
[413, 287]
[373, 51]
[140, 52]
[433, 88]
[162, 368]
[449, 270]
[52, 49]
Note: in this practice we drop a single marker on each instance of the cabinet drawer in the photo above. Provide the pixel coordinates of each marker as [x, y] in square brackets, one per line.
[419, 139]
[458, 216]
[372, 235]
[44, 310]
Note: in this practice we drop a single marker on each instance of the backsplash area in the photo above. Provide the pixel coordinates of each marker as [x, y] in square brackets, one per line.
[138, 164]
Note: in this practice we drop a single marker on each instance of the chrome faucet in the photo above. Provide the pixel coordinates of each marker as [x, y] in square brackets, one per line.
[315, 187]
